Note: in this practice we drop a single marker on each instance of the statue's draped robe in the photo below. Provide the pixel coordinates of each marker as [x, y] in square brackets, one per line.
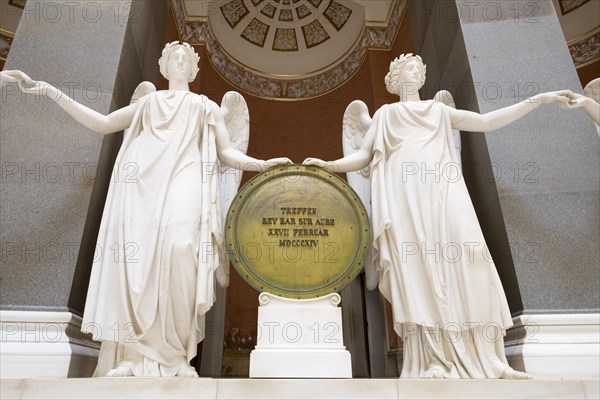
[447, 299]
[157, 252]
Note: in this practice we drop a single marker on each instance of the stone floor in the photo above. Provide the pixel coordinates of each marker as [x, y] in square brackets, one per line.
[207, 388]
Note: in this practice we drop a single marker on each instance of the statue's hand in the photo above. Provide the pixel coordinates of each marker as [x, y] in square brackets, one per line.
[580, 100]
[317, 162]
[14, 76]
[28, 85]
[564, 97]
[266, 164]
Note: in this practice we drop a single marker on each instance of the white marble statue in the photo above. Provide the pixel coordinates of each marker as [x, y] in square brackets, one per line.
[590, 102]
[147, 304]
[430, 259]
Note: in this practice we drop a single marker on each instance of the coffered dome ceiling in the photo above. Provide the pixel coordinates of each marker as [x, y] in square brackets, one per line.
[288, 49]
[287, 37]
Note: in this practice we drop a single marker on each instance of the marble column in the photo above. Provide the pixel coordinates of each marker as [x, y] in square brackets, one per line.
[55, 173]
[534, 183]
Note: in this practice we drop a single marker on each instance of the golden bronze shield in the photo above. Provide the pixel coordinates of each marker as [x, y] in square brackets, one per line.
[298, 232]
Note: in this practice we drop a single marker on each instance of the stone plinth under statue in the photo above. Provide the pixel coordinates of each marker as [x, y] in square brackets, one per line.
[300, 339]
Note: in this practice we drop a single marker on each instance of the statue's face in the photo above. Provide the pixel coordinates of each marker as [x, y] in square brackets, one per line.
[411, 72]
[179, 65]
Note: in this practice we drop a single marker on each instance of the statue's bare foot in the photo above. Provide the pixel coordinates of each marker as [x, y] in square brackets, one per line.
[510, 373]
[186, 371]
[434, 372]
[120, 371]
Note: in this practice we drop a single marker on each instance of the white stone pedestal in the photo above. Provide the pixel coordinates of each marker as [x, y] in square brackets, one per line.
[555, 346]
[300, 339]
[41, 344]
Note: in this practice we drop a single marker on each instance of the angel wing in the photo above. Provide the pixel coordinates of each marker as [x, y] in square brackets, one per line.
[354, 127]
[592, 90]
[237, 121]
[445, 97]
[141, 90]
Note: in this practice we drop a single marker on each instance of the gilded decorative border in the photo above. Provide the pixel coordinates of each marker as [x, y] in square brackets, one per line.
[6, 39]
[268, 10]
[382, 38]
[234, 12]
[337, 14]
[314, 34]
[329, 80]
[256, 32]
[566, 6]
[17, 3]
[197, 32]
[302, 11]
[286, 15]
[586, 48]
[285, 40]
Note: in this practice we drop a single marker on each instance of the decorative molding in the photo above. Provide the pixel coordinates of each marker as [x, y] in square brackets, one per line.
[38, 344]
[17, 3]
[555, 345]
[263, 85]
[566, 6]
[6, 39]
[382, 38]
[585, 48]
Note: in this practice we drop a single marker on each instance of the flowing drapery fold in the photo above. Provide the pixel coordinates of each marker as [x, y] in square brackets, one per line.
[160, 237]
[433, 262]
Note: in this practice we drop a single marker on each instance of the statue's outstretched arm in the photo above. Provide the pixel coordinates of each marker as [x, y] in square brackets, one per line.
[234, 158]
[104, 124]
[474, 122]
[356, 124]
[360, 159]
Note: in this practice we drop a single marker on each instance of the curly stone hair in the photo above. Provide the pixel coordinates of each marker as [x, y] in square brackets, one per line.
[392, 79]
[173, 46]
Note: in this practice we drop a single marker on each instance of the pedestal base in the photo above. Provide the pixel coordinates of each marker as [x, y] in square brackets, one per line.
[300, 339]
[300, 364]
[37, 344]
[559, 346]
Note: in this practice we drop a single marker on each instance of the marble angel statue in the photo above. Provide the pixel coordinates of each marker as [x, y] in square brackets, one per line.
[590, 102]
[420, 209]
[148, 307]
